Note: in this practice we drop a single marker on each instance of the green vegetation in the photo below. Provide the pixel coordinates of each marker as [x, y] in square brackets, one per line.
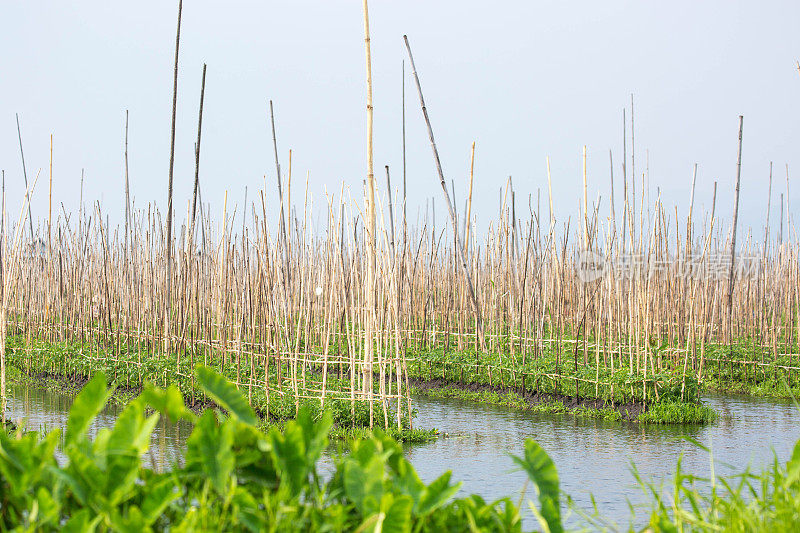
[746, 368]
[559, 388]
[677, 413]
[67, 367]
[550, 384]
[237, 476]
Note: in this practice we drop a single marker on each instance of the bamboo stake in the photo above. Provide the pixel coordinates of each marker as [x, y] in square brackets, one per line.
[476, 308]
[731, 279]
[369, 287]
[24, 173]
[171, 168]
[127, 188]
[197, 150]
[468, 217]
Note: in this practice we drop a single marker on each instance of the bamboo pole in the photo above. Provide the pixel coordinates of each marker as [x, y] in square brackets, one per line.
[369, 287]
[468, 216]
[197, 151]
[24, 173]
[476, 308]
[168, 280]
[731, 279]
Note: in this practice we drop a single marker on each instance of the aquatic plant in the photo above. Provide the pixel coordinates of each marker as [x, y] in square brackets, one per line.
[236, 476]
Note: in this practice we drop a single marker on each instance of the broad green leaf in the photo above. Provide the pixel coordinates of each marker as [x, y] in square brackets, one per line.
[315, 433]
[407, 481]
[132, 430]
[168, 401]
[159, 495]
[87, 404]
[288, 450]
[226, 395]
[247, 511]
[397, 518]
[436, 494]
[75, 485]
[793, 466]
[86, 475]
[363, 484]
[81, 522]
[542, 471]
[209, 448]
[48, 507]
[131, 522]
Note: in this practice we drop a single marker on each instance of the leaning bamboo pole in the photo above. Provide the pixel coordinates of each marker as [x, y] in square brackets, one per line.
[462, 257]
[168, 279]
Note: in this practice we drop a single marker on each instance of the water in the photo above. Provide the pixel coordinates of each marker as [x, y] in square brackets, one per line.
[592, 457]
[43, 410]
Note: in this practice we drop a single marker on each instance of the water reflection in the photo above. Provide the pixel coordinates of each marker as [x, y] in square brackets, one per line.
[44, 410]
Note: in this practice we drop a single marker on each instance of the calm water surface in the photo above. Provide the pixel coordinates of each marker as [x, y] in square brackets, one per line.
[593, 457]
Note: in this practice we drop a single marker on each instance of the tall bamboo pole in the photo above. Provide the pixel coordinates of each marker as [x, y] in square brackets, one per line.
[468, 216]
[733, 233]
[369, 287]
[127, 188]
[50, 200]
[462, 257]
[197, 151]
[171, 168]
[24, 173]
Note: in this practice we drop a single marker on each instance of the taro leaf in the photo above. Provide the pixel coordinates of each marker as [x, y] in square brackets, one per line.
[247, 511]
[79, 490]
[436, 494]
[363, 483]
[390, 445]
[542, 471]
[129, 439]
[168, 401]
[397, 517]
[315, 434]
[226, 395]
[23, 459]
[132, 522]
[209, 448]
[793, 466]
[79, 523]
[87, 404]
[132, 430]
[288, 449]
[407, 481]
[159, 495]
[298, 447]
[48, 507]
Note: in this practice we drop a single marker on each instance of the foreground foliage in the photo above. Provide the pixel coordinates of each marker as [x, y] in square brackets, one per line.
[235, 476]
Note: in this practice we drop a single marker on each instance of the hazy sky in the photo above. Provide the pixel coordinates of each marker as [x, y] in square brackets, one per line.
[522, 79]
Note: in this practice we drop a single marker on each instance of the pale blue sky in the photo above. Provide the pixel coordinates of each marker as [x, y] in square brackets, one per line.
[523, 79]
